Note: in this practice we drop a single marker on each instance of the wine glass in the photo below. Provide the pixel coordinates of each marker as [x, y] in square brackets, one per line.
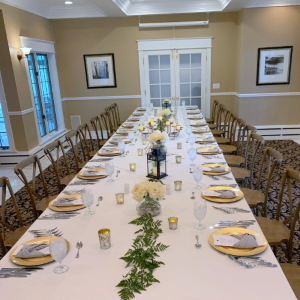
[58, 250]
[131, 137]
[192, 155]
[188, 130]
[187, 122]
[151, 106]
[87, 197]
[109, 168]
[183, 103]
[121, 147]
[200, 210]
[192, 140]
[197, 174]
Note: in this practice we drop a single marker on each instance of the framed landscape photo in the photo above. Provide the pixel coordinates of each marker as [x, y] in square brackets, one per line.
[274, 65]
[100, 70]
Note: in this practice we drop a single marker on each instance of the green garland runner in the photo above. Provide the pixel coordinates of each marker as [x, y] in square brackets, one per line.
[142, 258]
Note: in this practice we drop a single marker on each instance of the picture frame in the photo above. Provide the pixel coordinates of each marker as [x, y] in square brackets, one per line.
[100, 70]
[274, 65]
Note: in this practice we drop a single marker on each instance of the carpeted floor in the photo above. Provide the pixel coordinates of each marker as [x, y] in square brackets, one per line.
[291, 158]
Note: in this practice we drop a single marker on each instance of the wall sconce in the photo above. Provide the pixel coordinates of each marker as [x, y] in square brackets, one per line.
[25, 51]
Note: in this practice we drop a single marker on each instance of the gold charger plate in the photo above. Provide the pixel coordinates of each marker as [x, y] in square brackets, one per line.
[237, 251]
[200, 131]
[224, 200]
[66, 208]
[134, 119]
[35, 261]
[127, 125]
[138, 114]
[191, 107]
[195, 118]
[91, 177]
[208, 152]
[203, 140]
[110, 154]
[141, 109]
[198, 125]
[126, 141]
[215, 173]
[193, 112]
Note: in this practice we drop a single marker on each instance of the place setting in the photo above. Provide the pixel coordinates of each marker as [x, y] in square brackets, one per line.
[215, 169]
[209, 150]
[222, 194]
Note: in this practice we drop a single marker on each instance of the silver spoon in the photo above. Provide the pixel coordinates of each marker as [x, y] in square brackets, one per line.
[99, 199]
[78, 246]
[118, 173]
[191, 170]
[197, 245]
[193, 197]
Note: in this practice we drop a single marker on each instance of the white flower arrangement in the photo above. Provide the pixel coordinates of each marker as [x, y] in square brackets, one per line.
[152, 189]
[165, 112]
[167, 101]
[157, 136]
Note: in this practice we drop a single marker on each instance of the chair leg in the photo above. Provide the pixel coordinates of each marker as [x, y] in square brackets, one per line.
[289, 252]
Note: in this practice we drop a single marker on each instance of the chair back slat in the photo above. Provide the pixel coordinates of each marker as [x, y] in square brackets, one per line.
[72, 139]
[97, 127]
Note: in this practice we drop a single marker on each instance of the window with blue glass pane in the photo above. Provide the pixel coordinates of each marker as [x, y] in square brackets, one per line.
[4, 144]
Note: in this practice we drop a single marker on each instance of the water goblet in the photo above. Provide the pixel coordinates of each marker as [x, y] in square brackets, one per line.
[200, 210]
[189, 130]
[183, 103]
[58, 250]
[192, 140]
[187, 122]
[192, 155]
[109, 168]
[197, 174]
[121, 147]
[151, 106]
[131, 137]
[87, 197]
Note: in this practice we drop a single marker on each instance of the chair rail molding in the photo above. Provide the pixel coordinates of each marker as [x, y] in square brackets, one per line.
[256, 95]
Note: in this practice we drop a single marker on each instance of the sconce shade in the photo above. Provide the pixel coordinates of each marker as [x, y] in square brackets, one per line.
[25, 50]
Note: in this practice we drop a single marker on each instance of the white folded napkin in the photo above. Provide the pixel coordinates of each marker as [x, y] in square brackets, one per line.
[92, 173]
[224, 194]
[208, 150]
[215, 169]
[238, 241]
[23, 251]
[67, 202]
[207, 139]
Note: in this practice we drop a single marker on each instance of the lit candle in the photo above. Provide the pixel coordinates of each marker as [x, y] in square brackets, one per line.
[154, 171]
[132, 167]
[174, 124]
[120, 198]
[178, 185]
[178, 159]
[151, 120]
[140, 151]
[179, 145]
[144, 141]
[178, 127]
[152, 123]
[160, 118]
[141, 128]
[155, 112]
[104, 237]
[168, 123]
[173, 221]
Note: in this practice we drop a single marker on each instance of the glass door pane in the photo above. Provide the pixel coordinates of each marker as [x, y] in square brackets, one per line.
[46, 91]
[4, 144]
[36, 95]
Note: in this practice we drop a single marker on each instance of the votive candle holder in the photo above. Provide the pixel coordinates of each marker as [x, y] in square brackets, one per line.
[178, 185]
[132, 167]
[120, 198]
[140, 151]
[179, 145]
[173, 223]
[104, 238]
[144, 141]
[178, 159]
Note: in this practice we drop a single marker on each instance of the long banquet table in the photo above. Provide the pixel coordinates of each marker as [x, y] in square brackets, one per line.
[189, 273]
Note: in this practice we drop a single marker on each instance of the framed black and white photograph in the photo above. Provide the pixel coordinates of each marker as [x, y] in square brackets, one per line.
[274, 65]
[100, 70]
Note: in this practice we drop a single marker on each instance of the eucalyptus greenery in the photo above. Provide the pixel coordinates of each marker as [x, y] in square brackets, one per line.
[142, 258]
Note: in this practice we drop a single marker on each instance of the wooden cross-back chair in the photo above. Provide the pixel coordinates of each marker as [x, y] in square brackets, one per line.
[56, 154]
[99, 130]
[235, 136]
[231, 121]
[213, 112]
[7, 241]
[42, 203]
[276, 231]
[73, 139]
[111, 119]
[221, 121]
[87, 143]
[105, 122]
[239, 158]
[117, 113]
[258, 198]
[244, 175]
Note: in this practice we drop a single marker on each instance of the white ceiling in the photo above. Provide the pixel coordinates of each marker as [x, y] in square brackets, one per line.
[57, 9]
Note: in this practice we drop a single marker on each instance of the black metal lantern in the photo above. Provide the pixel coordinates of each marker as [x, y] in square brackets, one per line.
[156, 163]
[166, 105]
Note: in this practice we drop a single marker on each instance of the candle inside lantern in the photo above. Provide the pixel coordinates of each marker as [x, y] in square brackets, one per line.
[154, 171]
[160, 118]
[144, 141]
[140, 151]
[178, 185]
[151, 120]
[173, 222]
[132, 167]
[141, 128]
[168, 123]
[152, 123]
[120, 198]
[179, 145]
[178, 159]
[178, 127]
[174, 124]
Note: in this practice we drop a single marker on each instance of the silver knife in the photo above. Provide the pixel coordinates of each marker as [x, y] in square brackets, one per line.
[226, 226]
[14, 272]
[25, 268]
[11, 275]
[54, 218]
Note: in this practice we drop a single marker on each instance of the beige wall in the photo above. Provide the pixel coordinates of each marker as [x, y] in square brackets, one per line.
[17, 90]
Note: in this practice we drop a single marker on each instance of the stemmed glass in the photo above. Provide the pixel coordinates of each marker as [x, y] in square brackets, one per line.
[87, 197]
[187, 122]
[131, 137]
[189, 130]
[197, 174]
[109, 168]
[200, 210]
[58, 250]
[192, 140]
[192, 155]
[121, 147]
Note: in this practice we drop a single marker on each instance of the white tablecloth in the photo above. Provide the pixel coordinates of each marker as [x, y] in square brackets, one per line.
[189, 273]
